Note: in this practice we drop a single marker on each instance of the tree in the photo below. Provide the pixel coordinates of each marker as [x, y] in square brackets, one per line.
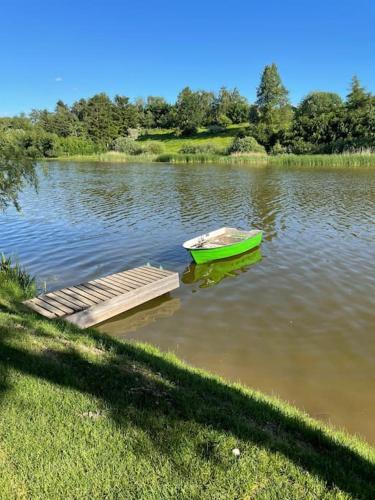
[98, 114]
[62, 122]
[357, 97]
[273, 113]
[20, 122]
[17, 167]
[271, 93]
[125, 114]
[239, 108]
[157, 110]
[193, 110]
[230, 107]
[319, 118]
[360, 118]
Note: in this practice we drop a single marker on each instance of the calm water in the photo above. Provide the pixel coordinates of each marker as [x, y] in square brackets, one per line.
[296, 319]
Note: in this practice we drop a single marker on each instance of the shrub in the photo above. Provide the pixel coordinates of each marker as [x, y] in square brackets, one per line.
[66, 146]
[14, 272]
[206, 147]
[223, 121]
[155, 148]
[126, 145]
[278, 149]
[245, 145]
[301, 147]
[34, 143]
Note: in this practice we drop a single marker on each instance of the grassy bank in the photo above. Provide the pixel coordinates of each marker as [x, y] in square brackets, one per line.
[334, 160]
[115, 157]
[86, 416]
[172, 145]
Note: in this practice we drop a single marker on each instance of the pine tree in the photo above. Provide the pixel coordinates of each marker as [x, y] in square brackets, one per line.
[271, 93]
[272, 114]
[357, 97]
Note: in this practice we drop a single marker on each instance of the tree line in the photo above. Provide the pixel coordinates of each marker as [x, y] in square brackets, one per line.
[321, 123]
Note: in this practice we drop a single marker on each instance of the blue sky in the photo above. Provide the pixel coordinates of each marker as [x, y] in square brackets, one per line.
[67, 49]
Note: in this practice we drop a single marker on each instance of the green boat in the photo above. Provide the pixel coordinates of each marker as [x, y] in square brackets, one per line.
[222, 243]
[212, 273]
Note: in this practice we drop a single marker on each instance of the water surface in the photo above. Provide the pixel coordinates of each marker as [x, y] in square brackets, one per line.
[295, 319]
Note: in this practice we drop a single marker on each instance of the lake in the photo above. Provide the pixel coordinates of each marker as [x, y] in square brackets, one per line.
[295, 319]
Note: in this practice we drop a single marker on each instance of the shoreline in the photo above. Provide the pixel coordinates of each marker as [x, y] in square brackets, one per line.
[345, 160]
[97, 401]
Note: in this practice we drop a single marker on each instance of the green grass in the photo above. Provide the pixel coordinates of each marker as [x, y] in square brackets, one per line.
[109, 157]
[83, 415]
[253, 158]
[11, 271]
[172, 145]
[333, 160]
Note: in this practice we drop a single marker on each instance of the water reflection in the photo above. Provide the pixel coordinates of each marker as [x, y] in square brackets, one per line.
[212, 273]
[145, 314]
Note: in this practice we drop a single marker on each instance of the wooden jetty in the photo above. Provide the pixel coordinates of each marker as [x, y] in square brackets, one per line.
[90, 303]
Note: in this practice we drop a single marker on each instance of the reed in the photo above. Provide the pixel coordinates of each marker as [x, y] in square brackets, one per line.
[345, 160]
[12, 271]
[362, 159]
[211, 158]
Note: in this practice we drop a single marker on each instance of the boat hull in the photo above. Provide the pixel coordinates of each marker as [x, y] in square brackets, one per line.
[202, 255]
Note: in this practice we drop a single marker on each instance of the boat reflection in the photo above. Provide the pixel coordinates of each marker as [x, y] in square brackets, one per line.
[212, 273]
[161, 307]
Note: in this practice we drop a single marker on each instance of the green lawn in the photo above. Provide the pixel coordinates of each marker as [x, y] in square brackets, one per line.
[173, 143]
[85, 416]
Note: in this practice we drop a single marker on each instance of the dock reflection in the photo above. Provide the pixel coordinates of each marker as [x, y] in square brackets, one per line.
[212, 273]
[161, 307]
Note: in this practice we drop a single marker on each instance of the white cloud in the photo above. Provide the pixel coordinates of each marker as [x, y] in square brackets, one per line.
[58, 79]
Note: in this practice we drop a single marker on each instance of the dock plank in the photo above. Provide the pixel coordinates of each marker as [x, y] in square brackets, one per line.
[56, 303]
[89, 303]
[143, 275]
[84, 296]
[154, 272]
[122, 303]
[63, 300]
[130, 280]
[122, 283]
[87, 293]
[112, 286]
[45, 305]
[97, 290]
[135, 277]
[66, 294]
[44, 312]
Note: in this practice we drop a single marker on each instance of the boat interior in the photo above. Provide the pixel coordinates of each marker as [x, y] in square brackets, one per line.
[221, 237]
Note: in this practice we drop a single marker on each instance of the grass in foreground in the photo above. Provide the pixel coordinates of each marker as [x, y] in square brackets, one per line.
[85, 416]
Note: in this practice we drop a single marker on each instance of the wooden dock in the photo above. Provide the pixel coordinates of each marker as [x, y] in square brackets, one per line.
[90, 303]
